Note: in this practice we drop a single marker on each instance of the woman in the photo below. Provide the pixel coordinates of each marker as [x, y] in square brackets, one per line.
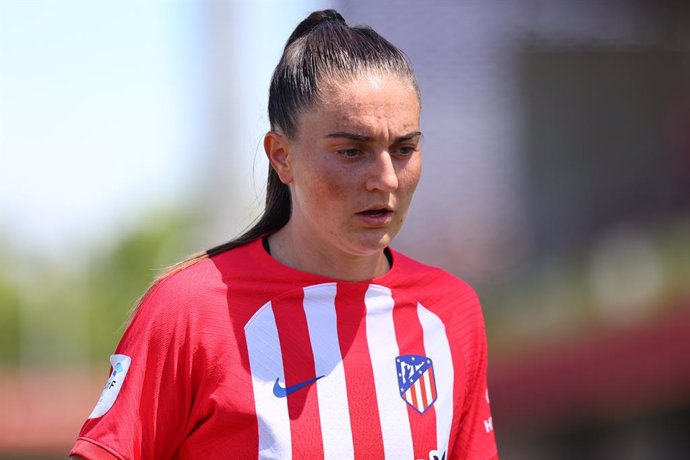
[307, 337]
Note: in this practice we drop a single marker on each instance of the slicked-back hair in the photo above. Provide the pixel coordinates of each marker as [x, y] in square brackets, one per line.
[324, 48]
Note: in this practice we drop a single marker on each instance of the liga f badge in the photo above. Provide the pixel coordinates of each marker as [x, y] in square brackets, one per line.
[416, 381]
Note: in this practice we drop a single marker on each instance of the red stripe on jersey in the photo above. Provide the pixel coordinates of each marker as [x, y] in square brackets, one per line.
[298, 365]
[413, 393]
[410, 337]
[367, 437]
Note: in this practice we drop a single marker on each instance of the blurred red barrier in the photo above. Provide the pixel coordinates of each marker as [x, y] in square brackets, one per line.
[610, 374]
[42, 412]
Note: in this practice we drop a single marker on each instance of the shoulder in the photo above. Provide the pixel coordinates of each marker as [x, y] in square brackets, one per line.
[199, 291]
[442, 293]
[182, 287]
[180, 302]
[431, 280]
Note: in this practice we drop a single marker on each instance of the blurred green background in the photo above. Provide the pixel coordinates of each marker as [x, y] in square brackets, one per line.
[557, 182]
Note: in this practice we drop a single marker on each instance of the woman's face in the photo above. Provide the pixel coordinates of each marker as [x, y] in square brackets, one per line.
[355, 163]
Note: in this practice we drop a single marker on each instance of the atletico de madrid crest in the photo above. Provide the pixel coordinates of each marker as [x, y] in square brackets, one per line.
[416, 381]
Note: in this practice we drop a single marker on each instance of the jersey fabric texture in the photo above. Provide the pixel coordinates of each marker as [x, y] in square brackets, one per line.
[239, 356]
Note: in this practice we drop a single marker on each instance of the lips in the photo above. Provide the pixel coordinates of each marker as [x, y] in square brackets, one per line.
[376, 216]
[374, 212]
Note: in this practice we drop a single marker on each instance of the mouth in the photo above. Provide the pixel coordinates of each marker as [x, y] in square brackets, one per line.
[380, 212]
[376, 217]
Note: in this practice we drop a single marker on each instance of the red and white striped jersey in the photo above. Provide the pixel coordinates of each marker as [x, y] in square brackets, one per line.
[239, 356]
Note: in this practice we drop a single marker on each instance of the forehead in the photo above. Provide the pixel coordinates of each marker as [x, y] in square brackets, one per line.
[367, 102]
[363, 83]
[368, 89]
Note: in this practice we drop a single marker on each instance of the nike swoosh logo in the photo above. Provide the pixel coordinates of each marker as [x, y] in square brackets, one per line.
[282, 392]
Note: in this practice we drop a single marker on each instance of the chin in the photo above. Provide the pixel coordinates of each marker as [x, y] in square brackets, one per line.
[371, 246]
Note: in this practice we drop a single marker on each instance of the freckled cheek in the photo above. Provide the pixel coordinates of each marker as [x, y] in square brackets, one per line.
[325, 190]
[333, 183]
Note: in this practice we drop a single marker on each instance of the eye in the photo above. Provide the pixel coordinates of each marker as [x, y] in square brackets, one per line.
[350, 153]
[406, 150]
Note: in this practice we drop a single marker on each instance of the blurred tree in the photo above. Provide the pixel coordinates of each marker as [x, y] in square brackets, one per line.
[9, 320]
[116, 279]
[55, 315]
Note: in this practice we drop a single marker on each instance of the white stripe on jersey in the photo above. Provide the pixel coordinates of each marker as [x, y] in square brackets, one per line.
[438, 349]
[319, 308]
[266, 363]
[383, 349]
[417, 388]
[427, 387]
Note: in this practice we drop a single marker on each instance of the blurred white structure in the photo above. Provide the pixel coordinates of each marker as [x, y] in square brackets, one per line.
[245, 40]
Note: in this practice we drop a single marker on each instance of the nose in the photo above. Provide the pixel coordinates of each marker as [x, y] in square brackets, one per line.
[382, 174]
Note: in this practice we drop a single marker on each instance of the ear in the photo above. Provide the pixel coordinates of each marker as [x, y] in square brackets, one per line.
[277, 148]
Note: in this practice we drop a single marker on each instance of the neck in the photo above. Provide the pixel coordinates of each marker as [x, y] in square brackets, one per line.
[289, 248]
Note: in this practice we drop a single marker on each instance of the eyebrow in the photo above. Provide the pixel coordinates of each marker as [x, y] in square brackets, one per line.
[365, 138]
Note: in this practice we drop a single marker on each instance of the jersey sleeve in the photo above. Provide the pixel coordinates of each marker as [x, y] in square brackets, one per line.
[475, 439]
[144, 408]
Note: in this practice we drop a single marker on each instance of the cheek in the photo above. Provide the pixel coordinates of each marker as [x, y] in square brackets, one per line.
[409, 176]
[323, 187]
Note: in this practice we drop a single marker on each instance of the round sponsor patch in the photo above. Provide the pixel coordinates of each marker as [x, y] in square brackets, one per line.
[120, 365]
